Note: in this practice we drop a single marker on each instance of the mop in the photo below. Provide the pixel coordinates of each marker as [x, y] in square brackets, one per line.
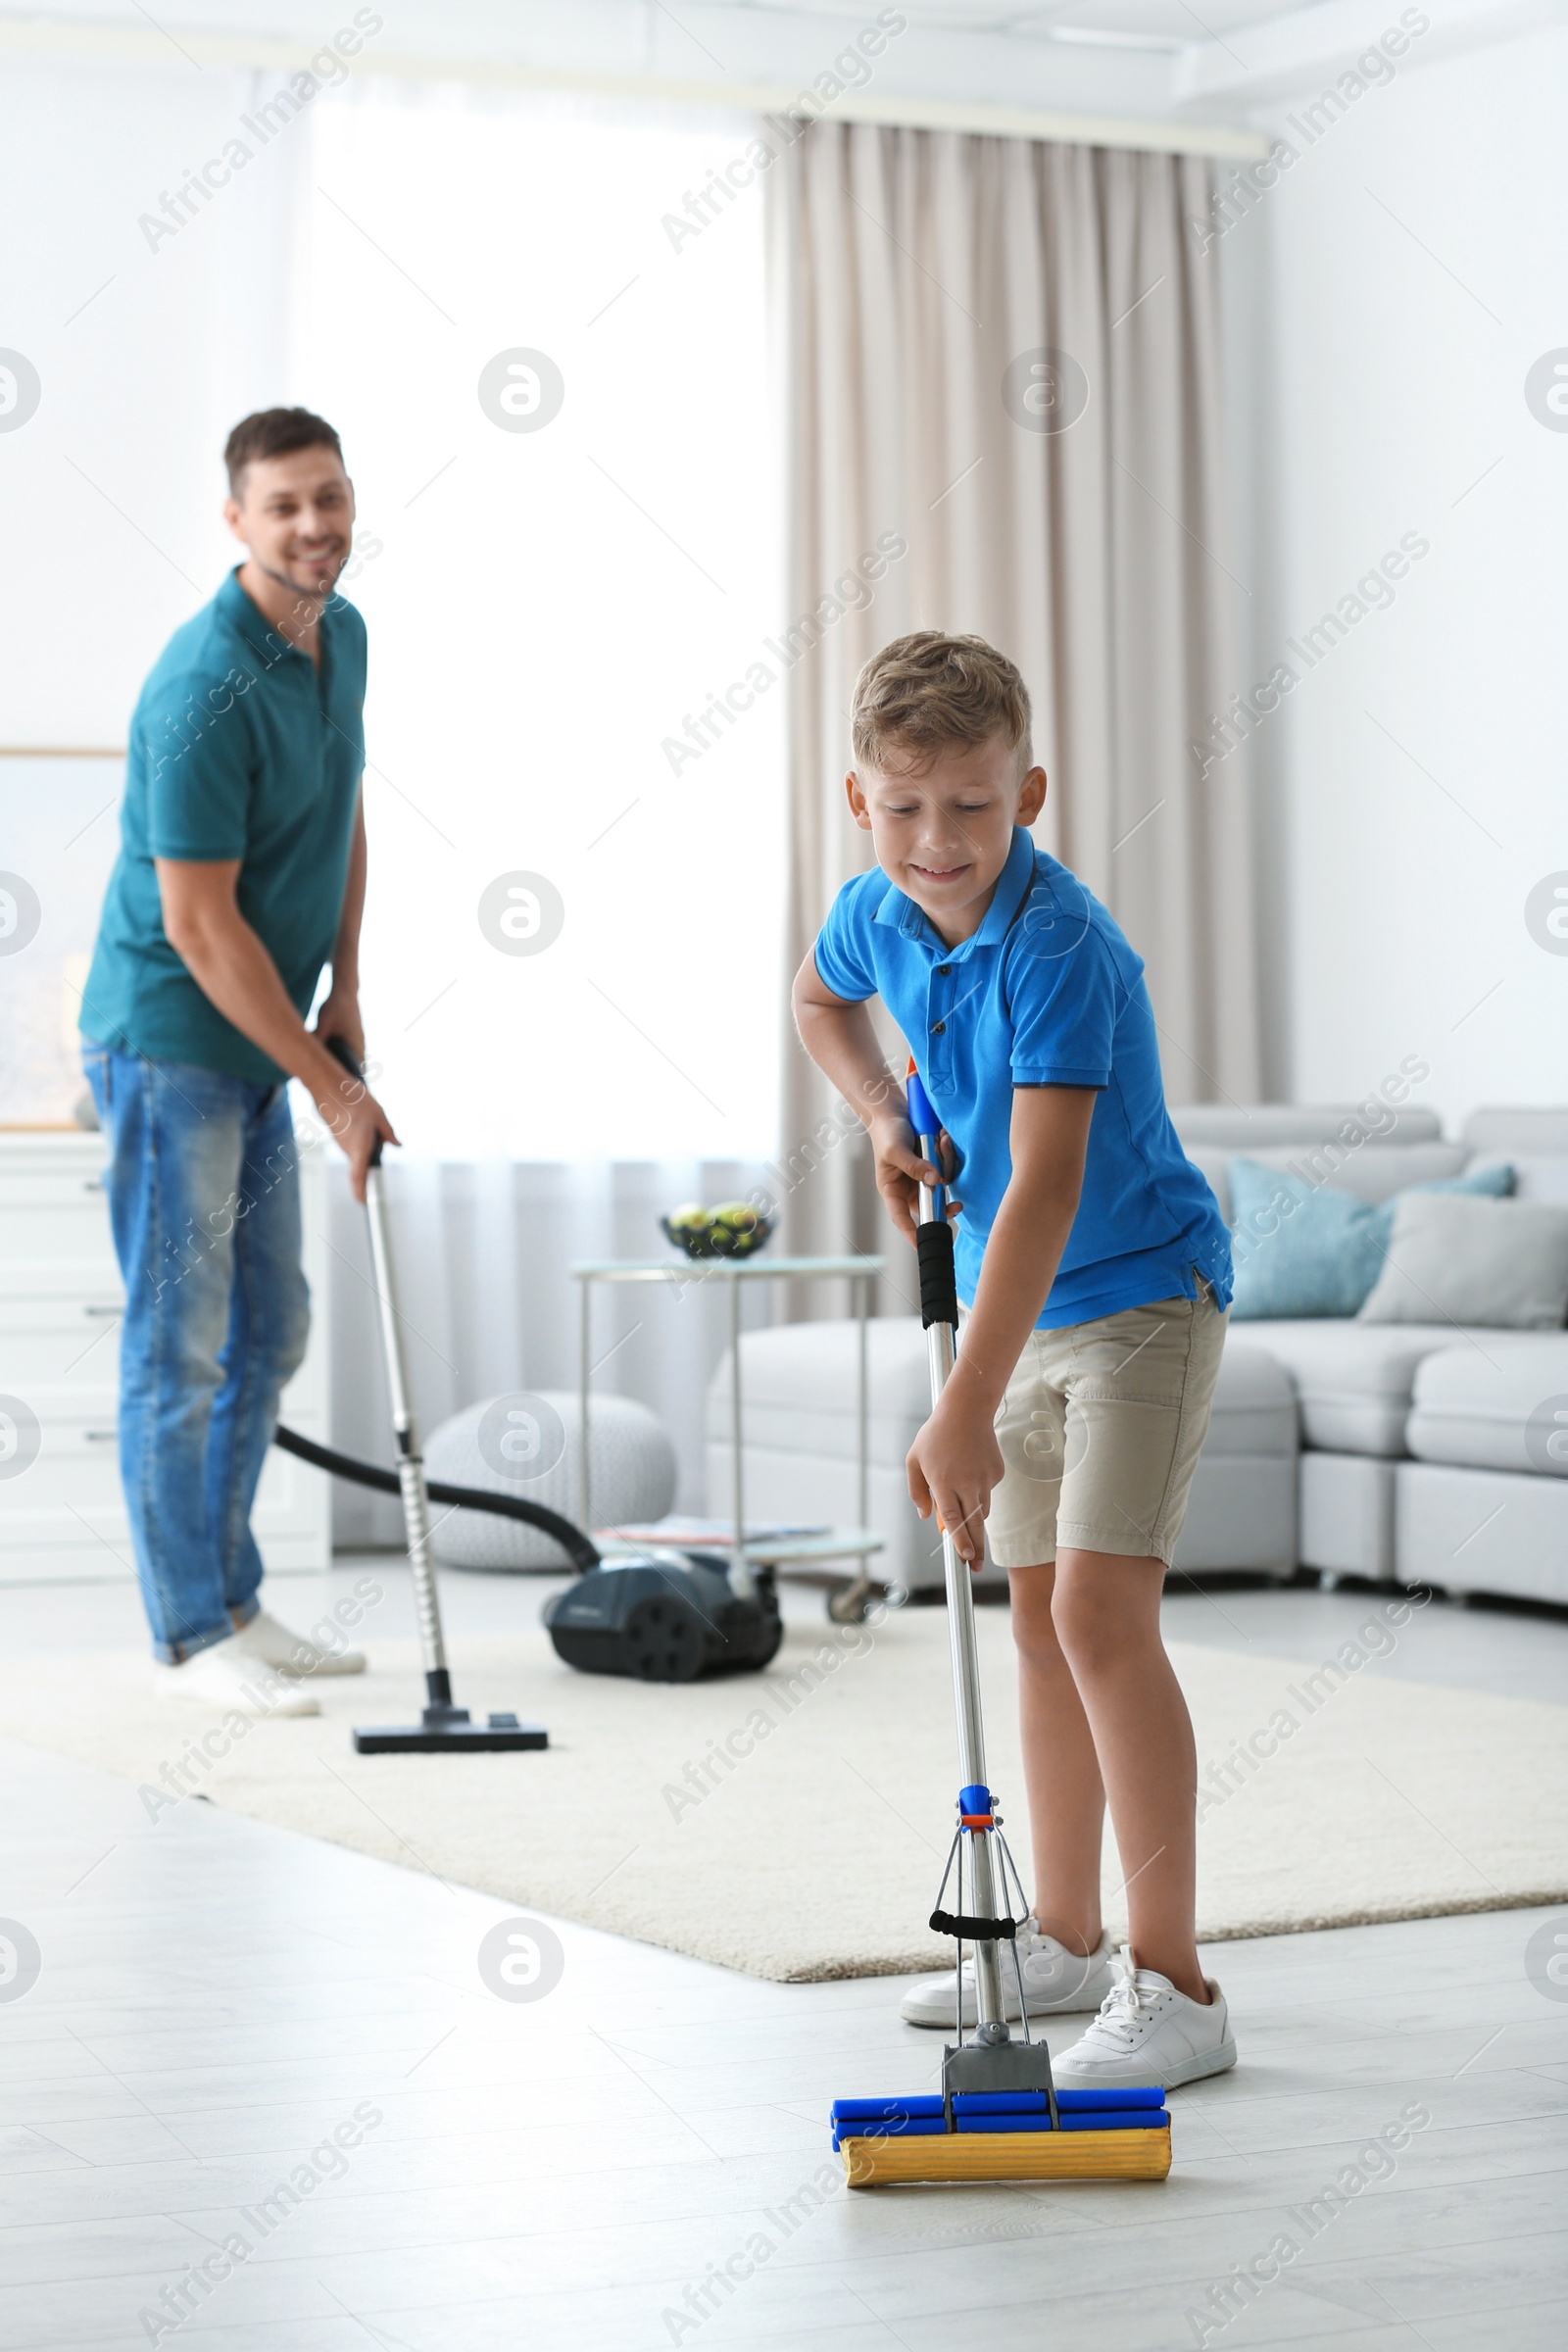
[443, 1728]
[998, 2116]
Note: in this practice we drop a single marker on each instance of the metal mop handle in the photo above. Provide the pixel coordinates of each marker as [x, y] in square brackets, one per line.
[939, 1312]
[410, 1460]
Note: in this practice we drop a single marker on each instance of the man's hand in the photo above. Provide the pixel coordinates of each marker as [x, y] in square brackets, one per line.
[233, 970]
[339, 1017]
[353, 1117]
[952, 1467]
[900, 1171]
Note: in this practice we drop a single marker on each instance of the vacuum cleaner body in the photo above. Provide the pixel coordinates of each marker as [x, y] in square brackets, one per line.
[664, 1617]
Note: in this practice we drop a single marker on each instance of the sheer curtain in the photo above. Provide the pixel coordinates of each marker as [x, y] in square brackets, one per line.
[1004, 355]
[559, 426]
[487, 1305]
[559, 620]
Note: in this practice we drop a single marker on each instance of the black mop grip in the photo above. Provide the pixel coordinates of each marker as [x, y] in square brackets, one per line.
[970, 1930]
[939, 1288]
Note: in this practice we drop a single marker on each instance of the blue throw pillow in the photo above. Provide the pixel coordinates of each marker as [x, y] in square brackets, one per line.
[1302, 1250]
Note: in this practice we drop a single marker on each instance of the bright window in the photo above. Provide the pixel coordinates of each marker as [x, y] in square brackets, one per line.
[550, 608]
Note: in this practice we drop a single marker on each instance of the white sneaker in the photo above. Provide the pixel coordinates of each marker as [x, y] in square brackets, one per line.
[233, 1678]
[1055, 1981]
[294, 1653]
[1148, 2032]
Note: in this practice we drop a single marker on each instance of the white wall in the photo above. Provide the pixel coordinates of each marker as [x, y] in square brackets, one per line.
[938, 52]
[110, 495]
[1385, 301]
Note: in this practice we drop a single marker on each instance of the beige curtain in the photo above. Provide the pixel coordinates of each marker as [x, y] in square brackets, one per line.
[1004, 359]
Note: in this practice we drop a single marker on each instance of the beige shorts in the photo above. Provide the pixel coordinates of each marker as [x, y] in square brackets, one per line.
[1101, 1430]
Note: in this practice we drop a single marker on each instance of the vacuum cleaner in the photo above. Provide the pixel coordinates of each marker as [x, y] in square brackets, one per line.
[665, 1616]
[998, 2116]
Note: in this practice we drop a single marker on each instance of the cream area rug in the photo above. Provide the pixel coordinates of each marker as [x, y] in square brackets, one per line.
[794, 1824]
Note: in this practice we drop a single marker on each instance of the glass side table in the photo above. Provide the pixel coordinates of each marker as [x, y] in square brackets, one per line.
[846, 1605]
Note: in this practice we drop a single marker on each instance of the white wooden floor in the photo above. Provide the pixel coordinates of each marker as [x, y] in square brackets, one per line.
[640, 2159]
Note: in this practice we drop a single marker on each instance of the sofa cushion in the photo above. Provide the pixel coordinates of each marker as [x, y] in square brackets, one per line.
[1258, 1126]
[1495, 1408]
[1297, 1250]
[1308, 1249]
[1254, 1404]
[1353, 1380]
[1481, 1531]
[1535, 1138]
[1540, 1176]
[1498, 1264]
[1533, 1127]
[799, 1389]
[1374, 1172]
[1346, 1507]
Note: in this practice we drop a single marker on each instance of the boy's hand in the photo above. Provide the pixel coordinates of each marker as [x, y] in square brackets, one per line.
[952, 1465]
[900, 1171]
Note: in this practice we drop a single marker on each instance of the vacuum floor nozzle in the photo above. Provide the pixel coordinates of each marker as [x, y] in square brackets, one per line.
[448, 1731]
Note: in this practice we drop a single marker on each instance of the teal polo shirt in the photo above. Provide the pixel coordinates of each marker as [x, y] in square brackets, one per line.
[239, 748]
[1046, 993]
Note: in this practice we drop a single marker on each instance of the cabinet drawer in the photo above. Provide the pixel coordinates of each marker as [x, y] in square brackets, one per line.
[76, 1470]
[54, 1342]
[57, 1246]
[62, 1308]
[69, 1410]
[24, 1189]
[71, 1492]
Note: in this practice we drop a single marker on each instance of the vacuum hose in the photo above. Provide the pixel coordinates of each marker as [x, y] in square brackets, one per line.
[579, 1550]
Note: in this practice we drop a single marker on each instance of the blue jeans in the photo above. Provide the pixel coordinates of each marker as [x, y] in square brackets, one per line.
[204, 1197]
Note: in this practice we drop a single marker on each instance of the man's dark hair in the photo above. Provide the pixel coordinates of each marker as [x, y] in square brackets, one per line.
[276, 434]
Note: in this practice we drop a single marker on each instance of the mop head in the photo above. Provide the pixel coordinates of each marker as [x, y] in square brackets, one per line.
[1004, 2135]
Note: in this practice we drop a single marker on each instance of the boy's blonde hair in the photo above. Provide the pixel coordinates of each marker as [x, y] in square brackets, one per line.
[927, 690]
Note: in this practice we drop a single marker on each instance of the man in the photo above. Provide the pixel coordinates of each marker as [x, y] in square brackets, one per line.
[240, 876]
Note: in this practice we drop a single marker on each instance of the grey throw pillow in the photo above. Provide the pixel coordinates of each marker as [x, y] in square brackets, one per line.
[1458, 1259]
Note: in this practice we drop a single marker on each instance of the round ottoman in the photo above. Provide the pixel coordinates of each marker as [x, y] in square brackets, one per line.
[528, 1443]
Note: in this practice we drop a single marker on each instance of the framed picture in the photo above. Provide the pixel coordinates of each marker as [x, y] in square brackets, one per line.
[59, 838]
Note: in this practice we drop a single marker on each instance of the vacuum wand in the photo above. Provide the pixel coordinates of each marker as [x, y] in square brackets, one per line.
[410, 1460]
[444, 1726]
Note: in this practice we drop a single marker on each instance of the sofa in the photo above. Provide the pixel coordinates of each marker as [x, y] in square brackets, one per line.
[1431, 1452]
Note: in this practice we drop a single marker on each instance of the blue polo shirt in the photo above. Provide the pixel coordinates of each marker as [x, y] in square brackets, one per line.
[1046, 993]
[239, 748]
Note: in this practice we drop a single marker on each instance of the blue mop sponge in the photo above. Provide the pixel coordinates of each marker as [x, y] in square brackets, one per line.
[923, 2115]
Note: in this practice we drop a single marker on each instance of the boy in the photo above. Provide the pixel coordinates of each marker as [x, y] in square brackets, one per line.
[241, 874]
[1094, 1269]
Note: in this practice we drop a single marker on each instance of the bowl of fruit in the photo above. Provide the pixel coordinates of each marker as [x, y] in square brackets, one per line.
[734, 1229]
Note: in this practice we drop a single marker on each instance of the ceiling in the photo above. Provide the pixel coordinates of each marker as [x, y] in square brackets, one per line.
[1161, 24]
[1115, 65]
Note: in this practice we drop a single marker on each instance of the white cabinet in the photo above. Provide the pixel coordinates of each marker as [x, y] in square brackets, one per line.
[60, 1308]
